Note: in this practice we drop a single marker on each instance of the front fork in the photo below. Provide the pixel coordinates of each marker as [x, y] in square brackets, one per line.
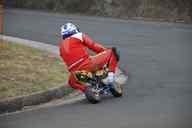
[105, 89]
[100, 87]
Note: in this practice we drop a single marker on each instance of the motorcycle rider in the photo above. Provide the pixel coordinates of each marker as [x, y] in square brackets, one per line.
[72, 48]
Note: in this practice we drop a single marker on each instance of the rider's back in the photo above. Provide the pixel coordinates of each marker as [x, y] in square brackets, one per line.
[72, 49]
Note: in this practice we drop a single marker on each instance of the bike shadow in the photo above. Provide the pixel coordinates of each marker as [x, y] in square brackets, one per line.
[105, 99]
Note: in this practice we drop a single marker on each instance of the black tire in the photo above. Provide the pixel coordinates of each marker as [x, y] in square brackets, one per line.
[117, 90]
[91, 96]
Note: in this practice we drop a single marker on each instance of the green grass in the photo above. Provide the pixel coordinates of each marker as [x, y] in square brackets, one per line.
[25, 70]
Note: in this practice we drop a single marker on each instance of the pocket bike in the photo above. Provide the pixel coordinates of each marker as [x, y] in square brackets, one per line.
[96, 84]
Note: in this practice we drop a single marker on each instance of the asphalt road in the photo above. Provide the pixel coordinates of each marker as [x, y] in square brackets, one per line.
[157, 57]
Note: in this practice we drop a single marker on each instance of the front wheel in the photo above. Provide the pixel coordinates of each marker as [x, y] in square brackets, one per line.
[116, 90]
[92, 95]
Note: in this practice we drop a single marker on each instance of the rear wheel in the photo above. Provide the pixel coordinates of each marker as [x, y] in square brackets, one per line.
[116, 90]
[92, 95]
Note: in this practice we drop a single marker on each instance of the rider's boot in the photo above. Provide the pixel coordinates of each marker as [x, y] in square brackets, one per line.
[110, 79]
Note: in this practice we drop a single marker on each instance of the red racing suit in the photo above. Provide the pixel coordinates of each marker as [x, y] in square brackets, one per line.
[75, 55]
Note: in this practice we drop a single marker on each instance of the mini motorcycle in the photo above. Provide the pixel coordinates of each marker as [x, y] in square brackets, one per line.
[96, 84]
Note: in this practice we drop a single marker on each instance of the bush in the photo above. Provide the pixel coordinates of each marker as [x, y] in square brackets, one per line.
[168, 9]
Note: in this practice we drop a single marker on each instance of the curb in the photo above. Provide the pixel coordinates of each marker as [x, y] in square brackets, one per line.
[18, 103]
[47, 47]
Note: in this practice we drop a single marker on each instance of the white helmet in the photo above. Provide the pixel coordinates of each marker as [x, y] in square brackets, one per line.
[68, 29]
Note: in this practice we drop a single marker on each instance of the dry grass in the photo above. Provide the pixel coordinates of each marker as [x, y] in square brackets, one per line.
[24, 70]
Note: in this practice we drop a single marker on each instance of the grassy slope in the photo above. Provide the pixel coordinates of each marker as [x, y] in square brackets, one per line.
[24, 70]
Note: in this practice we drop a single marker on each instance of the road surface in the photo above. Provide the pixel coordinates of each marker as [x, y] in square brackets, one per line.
[157, 57]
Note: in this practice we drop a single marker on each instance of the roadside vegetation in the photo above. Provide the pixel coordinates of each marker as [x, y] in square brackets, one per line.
[169, 10]
[25, 70]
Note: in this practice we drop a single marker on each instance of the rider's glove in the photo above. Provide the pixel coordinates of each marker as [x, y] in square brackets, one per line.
[116, 53]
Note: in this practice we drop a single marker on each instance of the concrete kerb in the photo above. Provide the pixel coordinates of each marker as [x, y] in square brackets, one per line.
[18, 103]
[50, 48]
